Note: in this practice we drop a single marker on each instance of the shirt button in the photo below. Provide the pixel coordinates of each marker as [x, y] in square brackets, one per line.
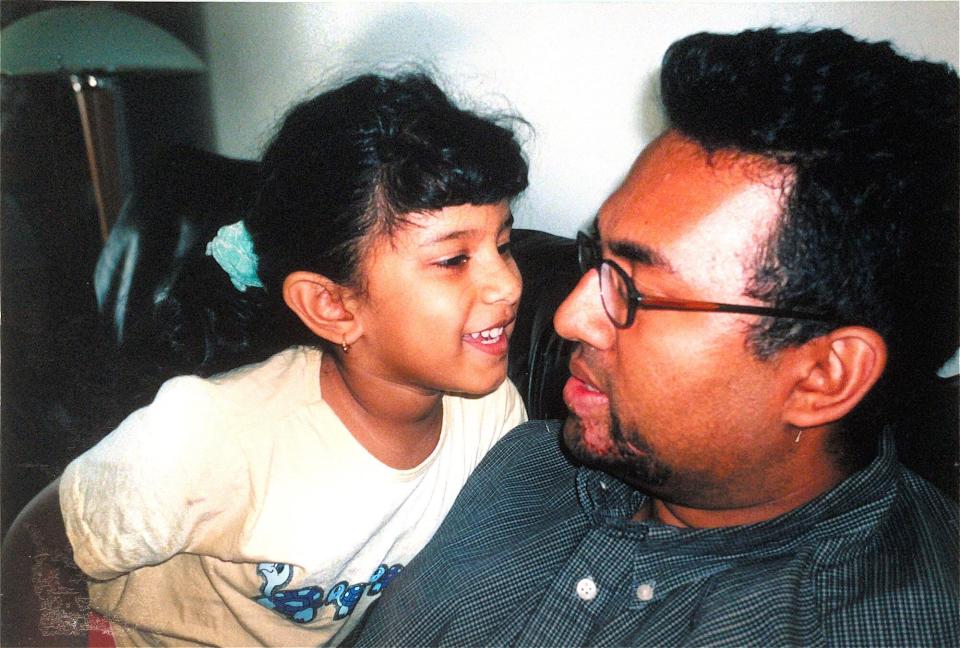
[645, 592]
[586, 589]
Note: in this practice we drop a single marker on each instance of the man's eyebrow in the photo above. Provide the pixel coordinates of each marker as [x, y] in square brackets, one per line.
[638, 253]
[633, 251]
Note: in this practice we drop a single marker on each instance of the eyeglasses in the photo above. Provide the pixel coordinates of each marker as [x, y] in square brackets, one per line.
[621, 299]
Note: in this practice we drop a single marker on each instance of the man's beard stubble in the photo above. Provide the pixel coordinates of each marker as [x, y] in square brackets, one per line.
[635, 462]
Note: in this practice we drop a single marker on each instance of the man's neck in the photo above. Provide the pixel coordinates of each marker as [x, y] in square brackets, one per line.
[690, 517]
[809, 474]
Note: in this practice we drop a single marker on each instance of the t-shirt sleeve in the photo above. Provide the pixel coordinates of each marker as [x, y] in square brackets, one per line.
[164, 482]
[515, 412]
[505, 409]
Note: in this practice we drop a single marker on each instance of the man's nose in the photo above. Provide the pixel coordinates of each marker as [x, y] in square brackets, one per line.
[580, 317]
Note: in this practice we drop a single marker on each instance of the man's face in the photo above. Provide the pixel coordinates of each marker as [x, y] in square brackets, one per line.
[677, 403]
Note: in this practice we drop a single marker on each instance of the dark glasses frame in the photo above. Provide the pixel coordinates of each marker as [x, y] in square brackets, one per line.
[590, 257]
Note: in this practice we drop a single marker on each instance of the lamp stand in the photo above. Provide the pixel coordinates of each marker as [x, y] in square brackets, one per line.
[95, 101]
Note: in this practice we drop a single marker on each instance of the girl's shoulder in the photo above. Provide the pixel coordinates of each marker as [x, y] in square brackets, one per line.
[292, 372]
[249, 393]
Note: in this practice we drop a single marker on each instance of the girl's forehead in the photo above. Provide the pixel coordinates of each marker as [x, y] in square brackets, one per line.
[456, 222]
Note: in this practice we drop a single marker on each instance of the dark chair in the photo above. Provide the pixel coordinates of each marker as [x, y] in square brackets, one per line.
[187, 196]
[44, 600]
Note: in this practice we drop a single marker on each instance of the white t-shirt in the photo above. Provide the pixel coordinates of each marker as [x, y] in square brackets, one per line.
[238, 510]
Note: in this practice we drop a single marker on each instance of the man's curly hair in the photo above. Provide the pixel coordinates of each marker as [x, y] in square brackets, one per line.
[869, 231]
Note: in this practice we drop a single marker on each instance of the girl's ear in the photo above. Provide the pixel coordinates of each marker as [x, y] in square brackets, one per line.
[835, 373]
[325, 306]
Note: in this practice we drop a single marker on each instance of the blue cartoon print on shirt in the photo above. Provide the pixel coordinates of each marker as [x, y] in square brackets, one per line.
[274, 576]
[301, 605]
[344, 596]
[382, 577]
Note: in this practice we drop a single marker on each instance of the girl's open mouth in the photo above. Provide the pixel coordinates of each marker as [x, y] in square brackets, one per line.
[492, 340]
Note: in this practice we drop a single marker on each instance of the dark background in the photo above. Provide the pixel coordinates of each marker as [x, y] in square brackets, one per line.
[58, 375]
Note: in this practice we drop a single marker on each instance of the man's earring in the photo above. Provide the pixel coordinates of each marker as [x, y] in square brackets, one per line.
[799, 432]
[344, 345]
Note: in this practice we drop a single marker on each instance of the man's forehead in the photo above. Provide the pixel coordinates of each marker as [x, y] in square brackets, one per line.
[692, 208]
[675, 183]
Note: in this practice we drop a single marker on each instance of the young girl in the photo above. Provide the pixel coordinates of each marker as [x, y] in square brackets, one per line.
[272, 503]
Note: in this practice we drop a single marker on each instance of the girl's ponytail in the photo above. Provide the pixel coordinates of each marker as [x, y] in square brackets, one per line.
[204, 325]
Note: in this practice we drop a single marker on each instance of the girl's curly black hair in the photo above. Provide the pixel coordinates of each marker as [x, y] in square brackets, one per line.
[344, 165]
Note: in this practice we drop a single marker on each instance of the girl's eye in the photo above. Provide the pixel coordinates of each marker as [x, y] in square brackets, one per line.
[506, 249]
[453, 262]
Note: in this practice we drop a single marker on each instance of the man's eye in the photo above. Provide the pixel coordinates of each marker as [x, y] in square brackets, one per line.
[506, 249]
[453, 262]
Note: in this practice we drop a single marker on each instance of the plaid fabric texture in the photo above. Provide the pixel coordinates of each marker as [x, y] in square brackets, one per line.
[538, 552]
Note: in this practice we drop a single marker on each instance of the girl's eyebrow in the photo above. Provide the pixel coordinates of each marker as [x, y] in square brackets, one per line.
[457, 235]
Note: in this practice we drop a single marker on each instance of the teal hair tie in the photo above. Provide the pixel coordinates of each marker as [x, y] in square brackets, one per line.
[232, 248]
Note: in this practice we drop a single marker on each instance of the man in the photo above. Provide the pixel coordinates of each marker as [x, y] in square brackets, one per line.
[759, 298]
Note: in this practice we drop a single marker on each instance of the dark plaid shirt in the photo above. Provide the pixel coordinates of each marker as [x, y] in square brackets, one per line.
[538, 552]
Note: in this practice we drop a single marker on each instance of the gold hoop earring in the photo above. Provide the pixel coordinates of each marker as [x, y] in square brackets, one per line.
[344, 345]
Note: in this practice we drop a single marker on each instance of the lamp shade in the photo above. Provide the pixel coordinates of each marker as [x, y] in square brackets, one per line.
[92, 39]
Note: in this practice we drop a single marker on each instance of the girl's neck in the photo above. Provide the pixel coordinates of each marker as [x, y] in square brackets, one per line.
[397, 424]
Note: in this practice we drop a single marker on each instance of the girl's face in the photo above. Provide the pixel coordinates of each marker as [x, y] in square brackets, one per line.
[440, 300]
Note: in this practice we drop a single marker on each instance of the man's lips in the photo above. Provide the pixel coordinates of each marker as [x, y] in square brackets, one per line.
[584, 399]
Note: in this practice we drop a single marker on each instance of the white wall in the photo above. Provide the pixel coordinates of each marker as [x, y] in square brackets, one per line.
[583, 74]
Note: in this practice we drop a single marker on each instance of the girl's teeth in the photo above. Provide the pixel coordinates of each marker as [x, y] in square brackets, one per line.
[492, 334]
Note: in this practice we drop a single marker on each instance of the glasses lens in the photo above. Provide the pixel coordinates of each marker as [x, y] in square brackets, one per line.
[614, 295]
[588, 254]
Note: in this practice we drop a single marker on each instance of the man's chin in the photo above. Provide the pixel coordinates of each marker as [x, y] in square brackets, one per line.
[589, 441]
[593, 444]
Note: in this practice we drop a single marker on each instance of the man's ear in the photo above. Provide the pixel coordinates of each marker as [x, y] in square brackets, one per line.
[833, 373]
[326, 307]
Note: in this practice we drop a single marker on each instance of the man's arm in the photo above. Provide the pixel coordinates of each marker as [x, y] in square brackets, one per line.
[44, 594]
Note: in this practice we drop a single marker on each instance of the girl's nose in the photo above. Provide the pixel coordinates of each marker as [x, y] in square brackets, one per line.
[581, 318]
[503, 283]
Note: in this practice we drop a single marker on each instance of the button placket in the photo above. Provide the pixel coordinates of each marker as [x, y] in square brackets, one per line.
[596, 576]
[644, 579]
